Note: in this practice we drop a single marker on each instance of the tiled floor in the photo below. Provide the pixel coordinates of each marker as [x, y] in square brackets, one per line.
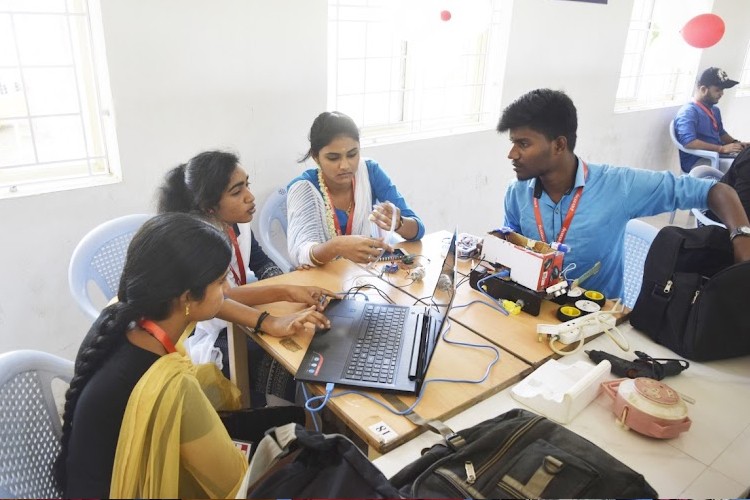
[711, 460]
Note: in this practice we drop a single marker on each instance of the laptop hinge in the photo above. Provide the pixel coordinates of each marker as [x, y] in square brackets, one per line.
[416, 347]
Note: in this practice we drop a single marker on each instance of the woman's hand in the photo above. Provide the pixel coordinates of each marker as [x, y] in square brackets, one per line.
[293, 324]
[310, 295]
[383, 215]
[361, 249]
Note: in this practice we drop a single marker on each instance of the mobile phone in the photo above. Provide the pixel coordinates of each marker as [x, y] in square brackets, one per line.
[397, 254]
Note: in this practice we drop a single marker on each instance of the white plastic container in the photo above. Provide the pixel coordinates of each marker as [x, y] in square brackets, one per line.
[559, 391]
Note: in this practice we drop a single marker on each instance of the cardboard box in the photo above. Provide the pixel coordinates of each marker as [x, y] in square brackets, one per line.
[533, 264]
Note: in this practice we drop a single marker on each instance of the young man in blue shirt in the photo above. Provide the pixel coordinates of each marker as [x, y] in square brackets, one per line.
[560, 197]
[698, 123]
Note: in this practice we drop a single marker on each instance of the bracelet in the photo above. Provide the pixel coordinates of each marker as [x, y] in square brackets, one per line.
[263, 316]
[312, 257]
[400, 223]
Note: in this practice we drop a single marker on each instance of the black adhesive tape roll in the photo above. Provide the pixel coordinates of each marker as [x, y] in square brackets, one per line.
[566, 313]
[587, 306]
[595, 296]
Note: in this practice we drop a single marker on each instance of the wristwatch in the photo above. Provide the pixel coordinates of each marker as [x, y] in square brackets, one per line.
[739, 231]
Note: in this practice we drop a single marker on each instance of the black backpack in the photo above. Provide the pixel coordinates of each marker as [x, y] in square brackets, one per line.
[519, 455]
[694, 299]
[292, 462]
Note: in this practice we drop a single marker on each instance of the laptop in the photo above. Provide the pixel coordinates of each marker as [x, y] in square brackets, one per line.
[384, 347]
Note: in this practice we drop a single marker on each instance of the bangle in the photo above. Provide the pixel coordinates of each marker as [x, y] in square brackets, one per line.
[263, 316]
[312, 257]
[400, 222]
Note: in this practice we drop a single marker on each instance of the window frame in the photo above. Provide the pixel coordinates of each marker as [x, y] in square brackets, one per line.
[677, 84]
[99, 164]
[489, 50]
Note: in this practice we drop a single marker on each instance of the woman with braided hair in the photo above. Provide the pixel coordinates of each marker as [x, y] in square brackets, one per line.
[137, 423]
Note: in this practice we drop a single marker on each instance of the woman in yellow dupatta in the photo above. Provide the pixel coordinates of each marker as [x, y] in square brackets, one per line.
[137, 422]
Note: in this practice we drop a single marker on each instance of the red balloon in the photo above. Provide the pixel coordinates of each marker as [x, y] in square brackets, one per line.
[703, 31]
[445, 15]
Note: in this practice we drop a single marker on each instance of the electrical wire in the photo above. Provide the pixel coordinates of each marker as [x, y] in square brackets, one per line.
[328, 396]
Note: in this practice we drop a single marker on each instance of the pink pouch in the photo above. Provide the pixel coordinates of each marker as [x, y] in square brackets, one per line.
[648, 406]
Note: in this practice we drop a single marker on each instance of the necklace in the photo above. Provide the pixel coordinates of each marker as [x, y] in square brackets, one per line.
[332, 222]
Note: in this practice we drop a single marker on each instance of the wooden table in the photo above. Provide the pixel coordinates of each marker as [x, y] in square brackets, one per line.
[440, 400]
[517, 334]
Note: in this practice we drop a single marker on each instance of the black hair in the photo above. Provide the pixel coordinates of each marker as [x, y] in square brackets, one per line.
[170, 254]
[549, 112]
[197, 186]
[326, 127]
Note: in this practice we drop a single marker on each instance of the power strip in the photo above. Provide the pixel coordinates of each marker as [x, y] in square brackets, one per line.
[570, 331]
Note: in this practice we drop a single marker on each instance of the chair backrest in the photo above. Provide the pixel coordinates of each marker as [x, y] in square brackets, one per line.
[638, 238]
[100, 257]
[272, 215]
[705, 172]
[711, 156]
[30, 426]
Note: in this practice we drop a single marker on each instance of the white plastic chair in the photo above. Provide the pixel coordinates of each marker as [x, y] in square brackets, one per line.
[30, 426]
[100, 257]
[711, 156]
[272, 240]
[638, 238]
[705, 172]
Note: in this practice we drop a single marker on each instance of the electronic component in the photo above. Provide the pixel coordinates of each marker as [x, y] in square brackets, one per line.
[390, 268]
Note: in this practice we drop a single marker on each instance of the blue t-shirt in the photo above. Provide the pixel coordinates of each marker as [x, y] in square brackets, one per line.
[693, 123]
[611, 197]
[382, 188]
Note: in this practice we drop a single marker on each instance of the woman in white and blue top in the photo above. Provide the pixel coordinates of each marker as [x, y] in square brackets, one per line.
[339, 208]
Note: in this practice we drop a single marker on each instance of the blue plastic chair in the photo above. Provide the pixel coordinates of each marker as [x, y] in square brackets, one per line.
[100, 257]
[638, 238]
[705, 172]
[273, 228]
[30, 426]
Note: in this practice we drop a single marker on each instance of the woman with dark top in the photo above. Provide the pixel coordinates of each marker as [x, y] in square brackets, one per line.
[214, 185]
[137, 423]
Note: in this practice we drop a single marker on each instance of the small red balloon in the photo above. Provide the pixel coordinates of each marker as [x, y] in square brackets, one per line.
[445, 15]
[703, 31]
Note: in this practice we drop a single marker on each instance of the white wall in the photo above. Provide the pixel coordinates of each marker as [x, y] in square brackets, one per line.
[250, 75]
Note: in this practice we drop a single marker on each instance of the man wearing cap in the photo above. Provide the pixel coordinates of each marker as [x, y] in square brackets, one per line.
[698, 124]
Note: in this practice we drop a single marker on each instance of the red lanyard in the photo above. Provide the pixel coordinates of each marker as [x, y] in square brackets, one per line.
[336, 224]
[240, 278]
[158, 333]
[568, 217]
[709, 113]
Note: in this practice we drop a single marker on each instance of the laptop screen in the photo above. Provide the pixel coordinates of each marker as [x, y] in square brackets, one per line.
[442, 298]
[445, 287]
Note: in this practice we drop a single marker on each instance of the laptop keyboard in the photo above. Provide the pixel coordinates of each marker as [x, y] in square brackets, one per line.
[374, 355]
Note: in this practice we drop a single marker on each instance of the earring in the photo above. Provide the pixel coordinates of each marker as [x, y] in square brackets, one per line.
[187, 310]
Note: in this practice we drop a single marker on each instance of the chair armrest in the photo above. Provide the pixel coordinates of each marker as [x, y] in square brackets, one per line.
[701, 219]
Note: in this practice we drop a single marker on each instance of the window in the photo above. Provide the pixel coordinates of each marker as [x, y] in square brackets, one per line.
[658, 66]
[56, 124]
[415, 69]
[743, 89]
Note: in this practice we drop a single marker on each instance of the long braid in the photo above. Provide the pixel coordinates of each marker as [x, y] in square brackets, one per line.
[105, 335]
[171, 254]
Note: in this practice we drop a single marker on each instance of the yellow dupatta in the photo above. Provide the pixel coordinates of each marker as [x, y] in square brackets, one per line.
[172, 443]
